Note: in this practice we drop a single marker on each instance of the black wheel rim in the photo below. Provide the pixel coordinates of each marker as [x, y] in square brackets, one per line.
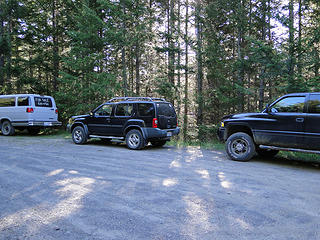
[239, 147]
[6, 128]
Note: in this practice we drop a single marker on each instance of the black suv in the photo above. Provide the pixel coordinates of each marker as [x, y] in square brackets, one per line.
[291, 123]
[136, 120]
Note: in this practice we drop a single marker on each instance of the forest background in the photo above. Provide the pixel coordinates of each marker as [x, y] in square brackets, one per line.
[208, 57]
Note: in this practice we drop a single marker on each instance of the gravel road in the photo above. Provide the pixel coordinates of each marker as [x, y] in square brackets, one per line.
[51, 188]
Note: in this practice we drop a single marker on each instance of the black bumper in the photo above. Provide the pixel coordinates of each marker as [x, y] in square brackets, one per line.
[220, 133]
[157, 133]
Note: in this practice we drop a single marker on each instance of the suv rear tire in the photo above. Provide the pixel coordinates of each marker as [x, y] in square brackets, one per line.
[240, 147]
[135, 140]
[79, 136]
[7, 129]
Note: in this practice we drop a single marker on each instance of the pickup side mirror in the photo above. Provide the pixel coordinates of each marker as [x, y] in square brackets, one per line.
[91, 114]
[267, 109]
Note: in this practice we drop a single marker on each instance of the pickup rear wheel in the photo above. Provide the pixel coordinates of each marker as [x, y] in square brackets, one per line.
[135, 140]
[7, 129]
[240, 147]
[79, 136]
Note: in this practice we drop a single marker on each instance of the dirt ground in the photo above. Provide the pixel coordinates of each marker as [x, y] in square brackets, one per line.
[51, 188]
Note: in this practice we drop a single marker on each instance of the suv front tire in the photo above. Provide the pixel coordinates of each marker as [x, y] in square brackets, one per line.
[79, 136]
[240, 147]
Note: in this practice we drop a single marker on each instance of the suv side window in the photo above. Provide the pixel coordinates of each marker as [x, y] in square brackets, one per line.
[105, 110]
[314, 104]
[124, 110]
[146, 110]
[289, 104]
[23, 101]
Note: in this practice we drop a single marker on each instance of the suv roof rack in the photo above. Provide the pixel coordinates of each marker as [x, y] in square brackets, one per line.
[120, 99]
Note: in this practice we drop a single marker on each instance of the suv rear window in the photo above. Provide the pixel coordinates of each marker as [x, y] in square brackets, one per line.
[124, 110]
[146, 110]
[42, 102]
[7, 102]
[165, 109]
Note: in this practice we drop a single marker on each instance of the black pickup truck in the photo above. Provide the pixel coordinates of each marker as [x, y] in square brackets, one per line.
[291, 123]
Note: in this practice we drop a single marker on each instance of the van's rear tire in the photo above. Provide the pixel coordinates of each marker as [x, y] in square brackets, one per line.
[7, 129]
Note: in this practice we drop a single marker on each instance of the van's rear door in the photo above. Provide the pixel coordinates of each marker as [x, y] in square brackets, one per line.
[44, 109]
[166, 114]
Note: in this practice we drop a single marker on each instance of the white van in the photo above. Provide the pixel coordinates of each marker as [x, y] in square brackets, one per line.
[29, 111]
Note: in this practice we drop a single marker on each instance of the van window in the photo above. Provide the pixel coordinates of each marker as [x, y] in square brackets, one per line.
[124, 110]
[8, 102]
[165, 109]
[146, 110]
[42, 102]
[23, 101]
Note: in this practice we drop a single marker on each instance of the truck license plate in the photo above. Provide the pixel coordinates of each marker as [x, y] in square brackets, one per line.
[169, 134]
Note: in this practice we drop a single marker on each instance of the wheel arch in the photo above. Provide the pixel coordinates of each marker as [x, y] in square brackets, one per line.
[129, 128]
[234, 128]
[4, 119]
[76, 124]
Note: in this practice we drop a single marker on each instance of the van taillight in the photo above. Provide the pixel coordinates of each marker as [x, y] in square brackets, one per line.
[29, 110]
[155, 123]
[56, 111]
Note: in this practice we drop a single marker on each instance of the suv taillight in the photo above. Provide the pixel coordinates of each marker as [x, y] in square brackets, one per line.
[29, 110]
[56, 111]
[155, 123]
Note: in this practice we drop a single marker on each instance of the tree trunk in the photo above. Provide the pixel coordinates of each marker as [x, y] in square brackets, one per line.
[1, 52]
[137, 69]
[185, 117]
[179, 61]
[123, 58]
[263, 68]
[299, 49]
[240, 58]
[291, 84]
[55, 46]
[199, 64]
[171, 54]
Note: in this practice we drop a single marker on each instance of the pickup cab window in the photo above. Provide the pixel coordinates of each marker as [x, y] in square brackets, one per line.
[289, 104]
[314, 104]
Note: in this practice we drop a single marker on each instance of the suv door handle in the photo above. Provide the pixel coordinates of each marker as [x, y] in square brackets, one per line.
[299, 119]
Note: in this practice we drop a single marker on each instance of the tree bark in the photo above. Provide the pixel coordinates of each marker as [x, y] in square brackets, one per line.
[199, 64]
[1, 52]
[185, 117]
[55, 46]
[291, 62]
[263, 68]
[137, 69]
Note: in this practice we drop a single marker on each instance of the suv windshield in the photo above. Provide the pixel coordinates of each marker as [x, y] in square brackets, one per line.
[165, 109]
